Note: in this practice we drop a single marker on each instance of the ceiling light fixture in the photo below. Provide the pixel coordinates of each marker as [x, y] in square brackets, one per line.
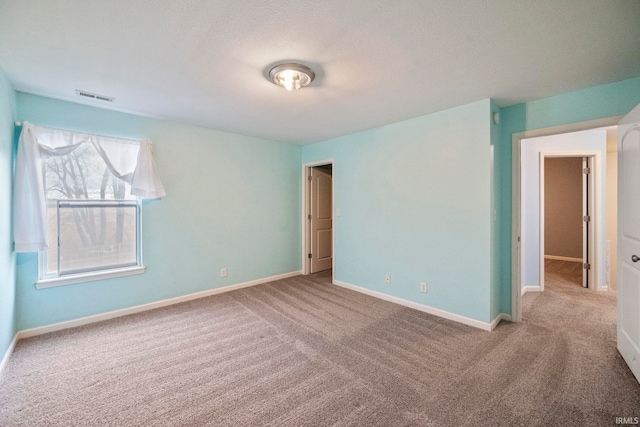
[291, 76]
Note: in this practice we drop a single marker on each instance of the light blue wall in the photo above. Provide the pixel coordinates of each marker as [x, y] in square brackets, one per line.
[415, 199]
[7, 257]
[415, 204]
[232, 201]
[590, 140]
[588, 104]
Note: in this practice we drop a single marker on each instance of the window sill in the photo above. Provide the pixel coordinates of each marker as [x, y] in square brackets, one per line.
[88, 277]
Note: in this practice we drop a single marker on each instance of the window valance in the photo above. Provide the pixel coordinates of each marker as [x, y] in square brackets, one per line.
[129, 161]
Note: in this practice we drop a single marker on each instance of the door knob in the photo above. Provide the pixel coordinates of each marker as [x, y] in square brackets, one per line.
[635, 258]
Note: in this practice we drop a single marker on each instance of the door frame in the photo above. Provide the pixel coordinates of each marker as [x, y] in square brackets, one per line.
[516, 192]
[306, 211]
[594, 160]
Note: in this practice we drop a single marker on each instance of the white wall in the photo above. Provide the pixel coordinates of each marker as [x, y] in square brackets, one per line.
[591, 140]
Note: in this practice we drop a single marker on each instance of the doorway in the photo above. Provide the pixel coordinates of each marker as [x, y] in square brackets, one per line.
[521, 233]
[567, 218]
[318, 219]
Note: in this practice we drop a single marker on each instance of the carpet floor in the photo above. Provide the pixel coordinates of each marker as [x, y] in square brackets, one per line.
[302, 352]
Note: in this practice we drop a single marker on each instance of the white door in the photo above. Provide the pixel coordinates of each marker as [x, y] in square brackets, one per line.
[321, 221]
[629, 240]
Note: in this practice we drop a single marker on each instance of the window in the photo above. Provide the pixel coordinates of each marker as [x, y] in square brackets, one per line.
[90, 236]
[93, 222]
[77, 201]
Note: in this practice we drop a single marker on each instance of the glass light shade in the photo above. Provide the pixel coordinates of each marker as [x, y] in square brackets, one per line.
[291, 76]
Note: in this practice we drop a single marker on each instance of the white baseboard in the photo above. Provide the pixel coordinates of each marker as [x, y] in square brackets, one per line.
[8, 354]
[417, 306]
[144, 307]
[563, 258]
[526, 289]
[502, 316]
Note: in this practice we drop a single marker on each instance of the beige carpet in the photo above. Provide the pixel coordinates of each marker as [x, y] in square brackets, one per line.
[303, 352]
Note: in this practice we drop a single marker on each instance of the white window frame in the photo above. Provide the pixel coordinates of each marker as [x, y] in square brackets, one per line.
[51, 280]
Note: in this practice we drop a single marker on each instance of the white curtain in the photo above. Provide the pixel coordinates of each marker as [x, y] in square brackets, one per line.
[130, 161]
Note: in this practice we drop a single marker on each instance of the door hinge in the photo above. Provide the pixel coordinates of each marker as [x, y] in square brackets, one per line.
[518, 238]
[586, 266]
[309, 256]
[309, 216]
[310, 178]
[586, 171]
[587, 218]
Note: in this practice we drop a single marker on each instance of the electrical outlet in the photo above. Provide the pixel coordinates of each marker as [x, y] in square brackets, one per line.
[423, 287]
[223, 272]
[387, 279]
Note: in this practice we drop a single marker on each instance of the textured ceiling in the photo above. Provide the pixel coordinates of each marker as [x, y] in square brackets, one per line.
[376, 61]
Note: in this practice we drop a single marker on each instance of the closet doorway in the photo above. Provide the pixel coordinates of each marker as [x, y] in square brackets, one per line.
[567, 209]
[318, 219]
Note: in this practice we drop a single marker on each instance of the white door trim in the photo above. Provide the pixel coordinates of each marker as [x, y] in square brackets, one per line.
[306, 229]
[516, 191]
[595, 194]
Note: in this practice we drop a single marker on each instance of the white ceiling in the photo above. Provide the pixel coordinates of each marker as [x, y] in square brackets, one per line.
[377, 61]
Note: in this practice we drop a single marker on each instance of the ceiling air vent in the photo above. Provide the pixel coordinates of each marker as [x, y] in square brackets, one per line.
[94, 96]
